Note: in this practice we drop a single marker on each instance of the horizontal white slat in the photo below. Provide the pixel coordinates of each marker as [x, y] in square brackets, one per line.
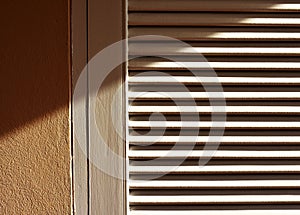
[145, 154]
[212, 19]
[211, 199]
[226, 169]
[215, 212]
[209, 124]
[215, 109]
[140, 64]
[222, 80]
[215, 5]
[199, 33]
[213, 95]
[154, 49]
[223, 139]
[286, 6]
[244, 184]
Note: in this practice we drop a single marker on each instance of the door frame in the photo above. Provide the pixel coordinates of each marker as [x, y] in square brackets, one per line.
[96, 24]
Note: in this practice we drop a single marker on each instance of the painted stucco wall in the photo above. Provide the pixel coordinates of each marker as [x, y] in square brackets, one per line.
[34, 107]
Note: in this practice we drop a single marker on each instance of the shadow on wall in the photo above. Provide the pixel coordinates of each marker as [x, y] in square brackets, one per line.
[34, 61]
[34, 53]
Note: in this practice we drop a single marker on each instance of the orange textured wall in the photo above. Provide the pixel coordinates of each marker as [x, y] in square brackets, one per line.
[34, 107]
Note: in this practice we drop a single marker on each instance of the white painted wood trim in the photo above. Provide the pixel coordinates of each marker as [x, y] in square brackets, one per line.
[79, 60]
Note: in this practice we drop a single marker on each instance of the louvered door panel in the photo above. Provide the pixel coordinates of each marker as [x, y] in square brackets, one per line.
[254, 48]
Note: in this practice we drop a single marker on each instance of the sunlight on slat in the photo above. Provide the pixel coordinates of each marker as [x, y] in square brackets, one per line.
[251, 199]
[214, 95]
[134, 154]
[215, 109]
[139, 184]
[253, 35]
[142, 49]
[216, 65]
[223, 139]
[285, 7]
[287, 21]
[223, 80]
[217, 169]
[197, 34]
[209, 124]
